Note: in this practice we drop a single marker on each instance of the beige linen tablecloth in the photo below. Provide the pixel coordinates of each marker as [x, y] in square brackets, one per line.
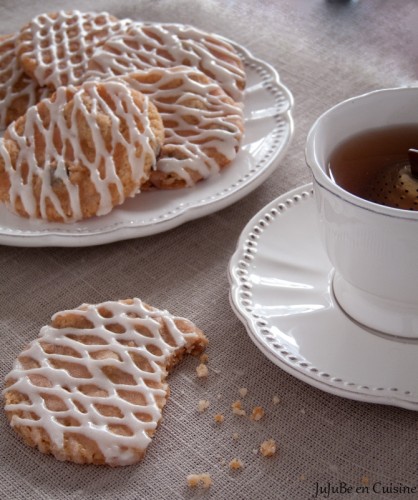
[325, 52]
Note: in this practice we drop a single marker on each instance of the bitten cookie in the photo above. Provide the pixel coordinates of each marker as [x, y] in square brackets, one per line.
[166, 45]
[79, 153]
[54, 48]
[92, 387]
[203, 125]
[17, 90]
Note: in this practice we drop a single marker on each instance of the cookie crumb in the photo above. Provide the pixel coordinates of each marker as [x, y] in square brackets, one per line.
[276, 399]
[365, 481]
[255, 451]
[203, 480]
[219, 418]
[302, 477]
[202, 371]
[203, 405]
[257, 413]
[237, 408]
[204, 358]
[243, 392]
[235, 436]
[268, 448]
[235, 464]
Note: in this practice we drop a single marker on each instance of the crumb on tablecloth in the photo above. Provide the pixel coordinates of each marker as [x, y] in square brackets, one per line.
[219, 418]
[365, 480]
[237, 408]
[203, 405]
[202, 370]
[204, 358]
[243, 391]
[235, 464]
[268, 448]
[235, 436]
[276, 399]
[204, 480]
[257, 413]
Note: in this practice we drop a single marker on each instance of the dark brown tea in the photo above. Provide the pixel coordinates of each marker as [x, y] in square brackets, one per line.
[374, 165]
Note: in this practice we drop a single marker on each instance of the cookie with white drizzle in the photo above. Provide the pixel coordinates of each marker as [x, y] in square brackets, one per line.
[203, 125]
[54, 48]
[79, 153]
[147, 45]
[17, 90]
[91, 387]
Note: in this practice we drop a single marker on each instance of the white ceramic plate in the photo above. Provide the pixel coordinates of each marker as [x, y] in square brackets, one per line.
[281, 289]
[268, 131]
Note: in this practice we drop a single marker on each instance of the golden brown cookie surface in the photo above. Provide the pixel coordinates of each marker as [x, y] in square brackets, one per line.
[17, 90]
[203, 125]
[54, 48]
[79, 153]
[92, 387]
[146, 45]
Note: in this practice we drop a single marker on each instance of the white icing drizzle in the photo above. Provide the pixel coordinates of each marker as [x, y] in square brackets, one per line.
[214, 56]
[62, 43]
[55, 164]
[217, 120]
[117, 449]
[146, 45]
[14, 84]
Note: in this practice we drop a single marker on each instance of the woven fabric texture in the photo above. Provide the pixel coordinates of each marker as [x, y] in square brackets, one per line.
[324, 51]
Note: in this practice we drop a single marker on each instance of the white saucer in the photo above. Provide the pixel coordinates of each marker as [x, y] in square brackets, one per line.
[281, 290]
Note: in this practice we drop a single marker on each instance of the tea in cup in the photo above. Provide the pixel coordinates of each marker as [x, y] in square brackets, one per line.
[372, 245]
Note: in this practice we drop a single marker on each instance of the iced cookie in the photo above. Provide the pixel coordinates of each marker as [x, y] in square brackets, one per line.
[79, 153]
[166, 45]
[54, 48]
[91, 387]
[203, 125]
[17, 90]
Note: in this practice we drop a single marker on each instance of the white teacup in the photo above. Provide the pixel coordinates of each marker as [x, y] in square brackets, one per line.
[373, 248]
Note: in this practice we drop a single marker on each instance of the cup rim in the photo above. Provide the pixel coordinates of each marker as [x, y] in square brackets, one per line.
[325, 182]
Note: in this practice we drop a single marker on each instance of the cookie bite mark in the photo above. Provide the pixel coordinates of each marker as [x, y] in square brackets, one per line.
[80, 152]
[89, 392]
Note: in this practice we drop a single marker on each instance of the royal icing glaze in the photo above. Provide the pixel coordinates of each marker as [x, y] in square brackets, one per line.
[33, 168]
[166, 45]
[113, 341]
[16, 89]
[199, 118]
[59, 45]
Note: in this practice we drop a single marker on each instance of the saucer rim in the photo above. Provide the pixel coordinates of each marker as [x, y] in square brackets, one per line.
[257, 325]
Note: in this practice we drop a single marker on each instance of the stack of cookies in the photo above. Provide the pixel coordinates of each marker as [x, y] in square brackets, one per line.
[97, 109]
